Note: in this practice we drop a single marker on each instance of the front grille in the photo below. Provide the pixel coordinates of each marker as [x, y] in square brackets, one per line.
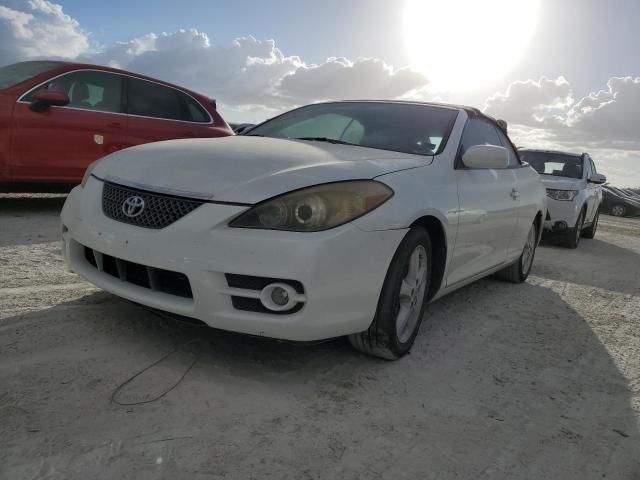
[155, 279]
[158, 211]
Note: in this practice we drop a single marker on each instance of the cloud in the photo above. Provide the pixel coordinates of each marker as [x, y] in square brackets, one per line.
[613, 113]
[606, 123]
[342, 78]
[608, 118]
[248, 74]
[530, 102]
[253, 72]
[38, 28]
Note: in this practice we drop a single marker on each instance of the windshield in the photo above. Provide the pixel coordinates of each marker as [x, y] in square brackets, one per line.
[556, 164]
[406, 128]
[11, 75]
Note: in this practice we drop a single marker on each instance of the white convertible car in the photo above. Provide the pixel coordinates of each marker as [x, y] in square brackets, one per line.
[341, 218]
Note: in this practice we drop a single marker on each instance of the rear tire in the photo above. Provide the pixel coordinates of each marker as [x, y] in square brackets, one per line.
[572, 237]
[590, 231]
[402, 300]
[518, 271]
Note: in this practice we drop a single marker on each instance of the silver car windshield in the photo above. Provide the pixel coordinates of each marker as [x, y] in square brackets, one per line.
[556, 164]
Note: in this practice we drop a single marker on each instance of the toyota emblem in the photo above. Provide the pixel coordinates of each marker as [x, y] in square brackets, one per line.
[133, 206]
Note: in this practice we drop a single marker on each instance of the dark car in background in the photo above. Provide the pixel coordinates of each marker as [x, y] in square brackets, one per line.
[240, 128]
[57, 117]
[620, 203]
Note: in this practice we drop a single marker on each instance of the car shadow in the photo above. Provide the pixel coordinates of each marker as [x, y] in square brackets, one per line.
[19, 211]
[589, 265]
[493, 388]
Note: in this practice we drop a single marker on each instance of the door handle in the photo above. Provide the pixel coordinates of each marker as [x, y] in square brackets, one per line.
[514, 193]
[115, 125]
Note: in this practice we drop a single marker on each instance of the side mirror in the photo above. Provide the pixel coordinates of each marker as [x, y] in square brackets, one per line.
[47, 98]
[486, 156]
[597, 178]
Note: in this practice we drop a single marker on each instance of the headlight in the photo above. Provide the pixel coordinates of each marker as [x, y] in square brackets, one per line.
[316, 208]
[562, 195]
[87, 172]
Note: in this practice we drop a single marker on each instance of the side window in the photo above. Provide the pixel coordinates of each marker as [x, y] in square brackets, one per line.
[593, 165]
[87, 89]
[514, 161]
[478, 132]
[192, 110]
[148, 99]
[587, 166]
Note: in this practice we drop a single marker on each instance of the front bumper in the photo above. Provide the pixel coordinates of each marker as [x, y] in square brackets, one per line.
[341, 270]
[561, 215]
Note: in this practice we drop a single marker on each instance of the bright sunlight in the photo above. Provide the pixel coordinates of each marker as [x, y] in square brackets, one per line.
[465, 44]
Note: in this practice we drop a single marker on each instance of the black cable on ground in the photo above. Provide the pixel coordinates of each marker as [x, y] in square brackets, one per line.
[158, 397]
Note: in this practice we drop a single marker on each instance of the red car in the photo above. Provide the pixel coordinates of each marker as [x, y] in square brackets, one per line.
[57, 117]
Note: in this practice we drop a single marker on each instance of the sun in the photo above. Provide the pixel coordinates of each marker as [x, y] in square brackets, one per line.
[465, 44]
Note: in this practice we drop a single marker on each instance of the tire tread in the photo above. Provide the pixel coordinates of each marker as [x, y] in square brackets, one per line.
[375, 340]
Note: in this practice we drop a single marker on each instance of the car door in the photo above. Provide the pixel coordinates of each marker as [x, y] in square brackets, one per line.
[58, 144]
[528, 188]
[488, 208]
[158, 112]
[6, 107]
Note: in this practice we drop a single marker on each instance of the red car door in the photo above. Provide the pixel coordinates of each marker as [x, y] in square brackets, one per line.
[159, 112]
[59, 143]
[6, 106]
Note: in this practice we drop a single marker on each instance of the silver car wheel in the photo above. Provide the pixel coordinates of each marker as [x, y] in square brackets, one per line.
[618, 210]
[412, 291]
[579, 226]
[529, 250]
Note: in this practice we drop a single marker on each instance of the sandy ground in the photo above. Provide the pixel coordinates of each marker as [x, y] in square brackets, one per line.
[532, 381]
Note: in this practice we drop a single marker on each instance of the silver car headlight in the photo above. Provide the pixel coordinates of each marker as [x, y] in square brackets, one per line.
[316, 208]
[561, 195]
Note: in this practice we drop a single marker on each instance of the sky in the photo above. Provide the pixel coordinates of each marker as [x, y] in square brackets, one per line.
[563, 74]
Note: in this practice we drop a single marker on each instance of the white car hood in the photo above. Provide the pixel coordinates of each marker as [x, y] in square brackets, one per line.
[561, 183]
[246, 169]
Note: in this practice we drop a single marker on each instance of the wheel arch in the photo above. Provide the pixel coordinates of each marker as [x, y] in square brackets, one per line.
[439, 249]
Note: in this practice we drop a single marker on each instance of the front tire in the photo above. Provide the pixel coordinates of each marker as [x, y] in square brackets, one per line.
[572, 237]
[402, 300]
[590, 231]
[518, 271]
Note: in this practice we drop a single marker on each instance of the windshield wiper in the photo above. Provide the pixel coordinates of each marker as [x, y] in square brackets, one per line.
[324, 139]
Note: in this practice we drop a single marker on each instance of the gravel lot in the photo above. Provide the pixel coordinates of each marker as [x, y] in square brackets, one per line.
[532, 381]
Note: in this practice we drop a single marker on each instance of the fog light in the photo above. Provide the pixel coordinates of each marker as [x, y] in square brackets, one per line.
[278, 297]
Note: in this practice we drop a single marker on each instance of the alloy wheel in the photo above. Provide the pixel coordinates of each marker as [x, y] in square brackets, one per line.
[617, 210]
[578, 231]
[412, 291]
[529, 250]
